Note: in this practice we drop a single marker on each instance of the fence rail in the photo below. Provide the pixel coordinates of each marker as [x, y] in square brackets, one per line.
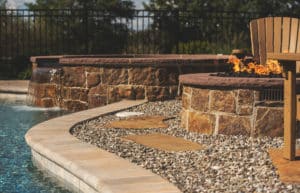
[24, 33]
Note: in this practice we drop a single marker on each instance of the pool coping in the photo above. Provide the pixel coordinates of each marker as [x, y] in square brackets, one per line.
[86, 167]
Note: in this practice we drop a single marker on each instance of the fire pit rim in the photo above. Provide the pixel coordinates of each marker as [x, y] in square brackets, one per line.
[207, 80]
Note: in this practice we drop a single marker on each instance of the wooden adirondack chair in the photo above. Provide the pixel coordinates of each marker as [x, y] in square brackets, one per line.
[276, 36]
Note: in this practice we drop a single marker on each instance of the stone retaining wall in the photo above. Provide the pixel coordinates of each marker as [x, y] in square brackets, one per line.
[230, 112]
[81, 83]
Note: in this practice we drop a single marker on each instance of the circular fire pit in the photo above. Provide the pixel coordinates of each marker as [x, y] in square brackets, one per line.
[232, 105]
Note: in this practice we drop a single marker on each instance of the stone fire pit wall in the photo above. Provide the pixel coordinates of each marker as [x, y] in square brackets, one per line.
[232, 106]
[81, 82]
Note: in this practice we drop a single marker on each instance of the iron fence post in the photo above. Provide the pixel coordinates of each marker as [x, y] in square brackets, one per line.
[86, 20]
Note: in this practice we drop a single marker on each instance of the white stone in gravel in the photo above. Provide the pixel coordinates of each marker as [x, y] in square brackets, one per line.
[128, 114]
[215, 167]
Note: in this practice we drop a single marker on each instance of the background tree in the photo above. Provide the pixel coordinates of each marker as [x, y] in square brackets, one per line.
[118, 7]
[93, 25]
[266, 6]
[3, 4]
[198, 25]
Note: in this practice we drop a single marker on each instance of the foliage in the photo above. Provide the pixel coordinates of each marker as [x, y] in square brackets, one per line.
[25, 75]
[270, 7]
[20, 67]
[196, 47]
[116, 8]
[89, 24]
[206, 47]
[17, 67]
[3, 4]
[206, 20]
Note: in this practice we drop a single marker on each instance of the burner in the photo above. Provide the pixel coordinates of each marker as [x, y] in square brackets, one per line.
[246, 75]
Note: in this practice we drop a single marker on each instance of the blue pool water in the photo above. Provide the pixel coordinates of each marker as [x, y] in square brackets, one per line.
[17, 173]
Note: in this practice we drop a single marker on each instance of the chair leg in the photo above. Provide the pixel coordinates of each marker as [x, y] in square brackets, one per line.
[290, 108]
[298, 116]
[298, 107]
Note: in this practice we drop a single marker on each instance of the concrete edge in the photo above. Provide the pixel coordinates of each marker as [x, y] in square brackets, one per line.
[8, 91]
[14, 86]
[10, 98]
[85, 167]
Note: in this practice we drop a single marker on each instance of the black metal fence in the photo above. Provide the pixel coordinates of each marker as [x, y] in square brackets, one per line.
[24, 33]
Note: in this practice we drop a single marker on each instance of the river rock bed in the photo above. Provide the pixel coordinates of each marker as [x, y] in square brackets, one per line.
[227, 164]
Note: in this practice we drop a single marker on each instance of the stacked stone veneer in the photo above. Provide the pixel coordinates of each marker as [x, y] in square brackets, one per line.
[82, 85]
[230, 112]
[233, 105]
[78, 88]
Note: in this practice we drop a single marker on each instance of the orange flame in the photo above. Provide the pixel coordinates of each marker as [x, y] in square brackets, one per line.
[271, 67]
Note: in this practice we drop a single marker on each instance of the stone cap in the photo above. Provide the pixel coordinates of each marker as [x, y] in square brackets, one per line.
[206, 80]
[138, 59]
[35, 59]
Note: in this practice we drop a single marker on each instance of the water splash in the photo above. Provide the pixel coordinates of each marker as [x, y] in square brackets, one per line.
[31, 108]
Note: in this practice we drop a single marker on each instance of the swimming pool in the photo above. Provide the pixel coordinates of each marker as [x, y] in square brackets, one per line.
[17, 173]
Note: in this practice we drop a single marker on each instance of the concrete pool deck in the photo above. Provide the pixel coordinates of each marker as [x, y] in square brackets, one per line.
[87, 168]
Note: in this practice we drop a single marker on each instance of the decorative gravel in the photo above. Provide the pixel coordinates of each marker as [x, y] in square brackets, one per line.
[228, 164]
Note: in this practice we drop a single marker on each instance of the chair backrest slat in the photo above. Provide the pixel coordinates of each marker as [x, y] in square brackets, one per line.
[269, 34]
[293, 36]
[254, 39]
[262, 39]
[277, 34]
[298, 39]
[286, 23]
[274, 34]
